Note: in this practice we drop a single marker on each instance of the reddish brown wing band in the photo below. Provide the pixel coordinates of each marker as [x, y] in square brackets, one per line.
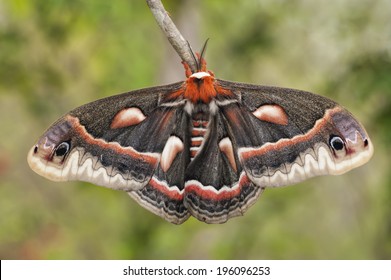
[204, 147]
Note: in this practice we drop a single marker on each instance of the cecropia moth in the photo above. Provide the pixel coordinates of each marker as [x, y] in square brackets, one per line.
[202, 147]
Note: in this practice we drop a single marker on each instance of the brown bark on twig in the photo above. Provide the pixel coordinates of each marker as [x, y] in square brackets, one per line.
[172, 33]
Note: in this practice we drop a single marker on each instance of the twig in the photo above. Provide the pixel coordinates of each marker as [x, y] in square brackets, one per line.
[172, 33]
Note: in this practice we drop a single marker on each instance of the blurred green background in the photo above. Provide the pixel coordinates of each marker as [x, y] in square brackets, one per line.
[57, 55]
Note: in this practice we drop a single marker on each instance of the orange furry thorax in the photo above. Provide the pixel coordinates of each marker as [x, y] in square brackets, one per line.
[197, 90]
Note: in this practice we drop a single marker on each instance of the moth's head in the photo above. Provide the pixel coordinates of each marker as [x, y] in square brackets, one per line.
[199, 74]
[349, 142]
[48, 155]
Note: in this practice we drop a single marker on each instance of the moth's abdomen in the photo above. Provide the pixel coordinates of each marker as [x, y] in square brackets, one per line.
[198, 132]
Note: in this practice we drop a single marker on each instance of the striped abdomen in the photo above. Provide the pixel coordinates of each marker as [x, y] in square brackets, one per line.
[198, 132]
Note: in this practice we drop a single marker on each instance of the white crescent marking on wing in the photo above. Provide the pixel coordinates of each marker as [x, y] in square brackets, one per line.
[128, 117]
[225, 146]
[173, 146]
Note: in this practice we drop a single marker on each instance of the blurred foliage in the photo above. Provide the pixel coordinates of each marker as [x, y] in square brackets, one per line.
[57, 54]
